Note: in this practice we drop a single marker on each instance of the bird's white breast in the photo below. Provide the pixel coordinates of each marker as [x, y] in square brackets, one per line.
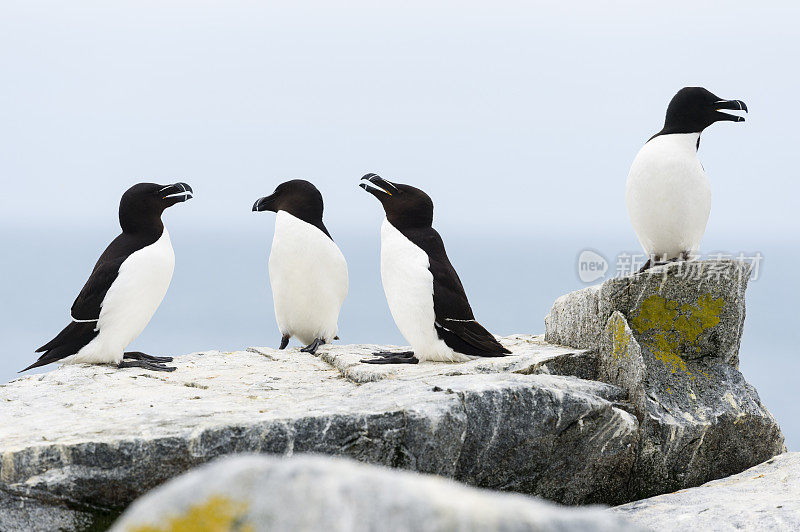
[668, 196]
[131, 301]
[309, 279]
[408, 285]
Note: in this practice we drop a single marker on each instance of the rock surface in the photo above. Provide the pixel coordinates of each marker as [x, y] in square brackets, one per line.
[260, 493]
[693, 309]
[765, 497]
[670, 338]
[649, 400]
[102, 436]
[24, 513]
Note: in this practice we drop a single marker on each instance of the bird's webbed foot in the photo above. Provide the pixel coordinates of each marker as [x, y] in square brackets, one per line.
[386, 354]
[144, 364]
[313, 346]
[646, 266]
[284, 341]
[392, 357]
[653, 261]
[138, 355]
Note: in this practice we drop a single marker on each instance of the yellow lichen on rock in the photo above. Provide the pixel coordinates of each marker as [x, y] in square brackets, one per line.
[698, 317]
[665, 348]
[217, 514]
[656, 312]
[670, 327]
[621, 339]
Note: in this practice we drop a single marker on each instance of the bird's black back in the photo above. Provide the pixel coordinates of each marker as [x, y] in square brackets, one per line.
[90, 299]
[454, 320]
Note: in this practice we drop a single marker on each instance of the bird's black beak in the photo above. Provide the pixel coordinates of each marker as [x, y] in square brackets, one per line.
[176, 193]
[264, 204]
[378, 186]
[733, 105]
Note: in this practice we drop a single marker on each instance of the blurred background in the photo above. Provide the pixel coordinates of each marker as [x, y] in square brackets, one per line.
[520, 120]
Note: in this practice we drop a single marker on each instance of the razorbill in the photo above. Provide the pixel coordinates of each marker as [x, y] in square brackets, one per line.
[667, 193]
[425, 295]
[307, 271]
[125, 287]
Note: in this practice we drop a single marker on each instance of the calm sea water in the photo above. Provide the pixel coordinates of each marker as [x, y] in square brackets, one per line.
[220, 297]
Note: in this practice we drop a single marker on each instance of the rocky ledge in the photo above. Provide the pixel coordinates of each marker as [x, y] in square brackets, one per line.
[646, 400]
[765, 497]
[670, 338]
[94, 438]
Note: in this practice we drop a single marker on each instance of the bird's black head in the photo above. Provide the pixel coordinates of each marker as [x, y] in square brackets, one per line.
[405, 206]
[298, 197]
[693, 109]
[141, 205]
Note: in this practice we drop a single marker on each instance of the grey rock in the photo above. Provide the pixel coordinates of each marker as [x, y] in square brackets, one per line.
[670, 340]
[697, 306]
[34, 515]
[765, 497]
[101, 436]
[261, 493]
[575, 319]
[621, 362]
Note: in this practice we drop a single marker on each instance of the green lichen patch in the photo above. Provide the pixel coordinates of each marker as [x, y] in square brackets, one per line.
[669, 327]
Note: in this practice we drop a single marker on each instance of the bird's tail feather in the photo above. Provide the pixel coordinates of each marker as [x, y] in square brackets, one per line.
[470, 338]
[75, 332]
[68, 342]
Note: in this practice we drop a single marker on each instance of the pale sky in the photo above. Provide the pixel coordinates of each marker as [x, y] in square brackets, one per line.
[512, 115]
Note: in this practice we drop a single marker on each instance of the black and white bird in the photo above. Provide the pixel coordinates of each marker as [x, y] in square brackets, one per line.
[425, 295]
[125, 287]
[307, 270]
[667, 193]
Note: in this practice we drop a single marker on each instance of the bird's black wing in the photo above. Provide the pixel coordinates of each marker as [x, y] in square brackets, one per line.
[455, 323]
[89, 302]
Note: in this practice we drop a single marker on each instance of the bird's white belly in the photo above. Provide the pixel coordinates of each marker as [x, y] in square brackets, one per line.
[131, 301]
[668, 196]
[408, 285]
[309, 280]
